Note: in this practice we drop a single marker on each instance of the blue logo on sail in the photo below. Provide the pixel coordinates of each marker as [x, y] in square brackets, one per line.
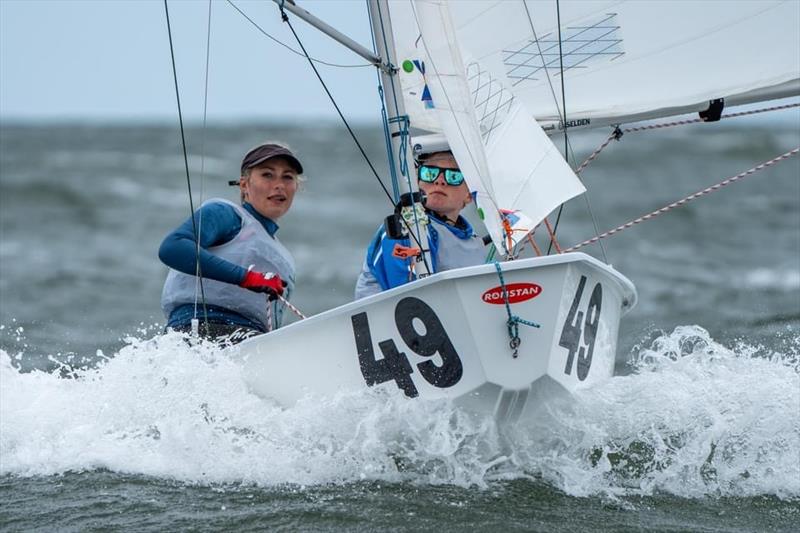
[427, 99]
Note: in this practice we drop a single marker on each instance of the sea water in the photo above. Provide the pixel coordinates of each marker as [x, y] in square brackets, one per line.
[107, 423]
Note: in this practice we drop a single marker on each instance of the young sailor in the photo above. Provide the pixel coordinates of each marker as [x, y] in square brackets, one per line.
[452, 241]
[243, 265]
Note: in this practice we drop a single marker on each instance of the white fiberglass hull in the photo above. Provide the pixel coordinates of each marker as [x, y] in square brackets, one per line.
[447, 336]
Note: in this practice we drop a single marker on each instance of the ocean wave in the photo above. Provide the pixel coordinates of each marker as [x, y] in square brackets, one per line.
[695, 419]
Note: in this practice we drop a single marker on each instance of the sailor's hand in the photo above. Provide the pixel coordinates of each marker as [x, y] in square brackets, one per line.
[267, 282]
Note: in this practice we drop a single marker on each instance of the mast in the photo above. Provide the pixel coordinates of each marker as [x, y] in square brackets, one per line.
[400, 156]
[398, 122]
[384, 43]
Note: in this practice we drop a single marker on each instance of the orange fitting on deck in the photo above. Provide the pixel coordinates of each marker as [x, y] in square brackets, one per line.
[508, 231]
[404, 252]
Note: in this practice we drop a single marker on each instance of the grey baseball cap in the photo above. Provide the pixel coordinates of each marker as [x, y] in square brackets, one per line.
[261, 153]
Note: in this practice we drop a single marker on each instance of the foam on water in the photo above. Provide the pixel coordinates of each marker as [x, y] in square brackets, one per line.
[162, 408]
[695, 418]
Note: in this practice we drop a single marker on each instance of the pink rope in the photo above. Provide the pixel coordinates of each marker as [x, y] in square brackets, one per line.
[614, 135]
[689, 198]
[618, 133]
[291, 308]
[693, 121]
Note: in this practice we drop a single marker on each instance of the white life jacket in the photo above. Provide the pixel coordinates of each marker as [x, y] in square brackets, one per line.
[253, 245]
[455, 252]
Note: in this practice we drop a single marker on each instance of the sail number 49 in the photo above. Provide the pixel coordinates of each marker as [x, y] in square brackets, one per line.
[394, 364]
[576, 327]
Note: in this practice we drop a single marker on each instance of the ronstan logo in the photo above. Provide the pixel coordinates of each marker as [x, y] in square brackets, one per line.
[517, 292]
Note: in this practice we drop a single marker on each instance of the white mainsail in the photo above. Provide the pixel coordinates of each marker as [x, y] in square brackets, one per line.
[623, 60]
[508, 161]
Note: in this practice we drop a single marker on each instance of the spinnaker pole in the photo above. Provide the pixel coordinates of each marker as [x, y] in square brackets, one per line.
[329, 31]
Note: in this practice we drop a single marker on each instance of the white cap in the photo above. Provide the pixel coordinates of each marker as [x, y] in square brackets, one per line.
[429, 144]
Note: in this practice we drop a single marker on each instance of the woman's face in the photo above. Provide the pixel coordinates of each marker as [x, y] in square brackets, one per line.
[270, 187]
[443, 199]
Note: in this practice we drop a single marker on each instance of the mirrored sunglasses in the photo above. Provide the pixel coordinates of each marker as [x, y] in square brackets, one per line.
[428, 174]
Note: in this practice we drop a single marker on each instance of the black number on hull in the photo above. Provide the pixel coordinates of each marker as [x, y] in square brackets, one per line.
[574, 327]
[434, 340]
[571, 334]
[590, 332]
[393, 366]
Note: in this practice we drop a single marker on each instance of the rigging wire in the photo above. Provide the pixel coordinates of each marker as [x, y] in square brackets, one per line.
[202, 174]
[384, 115]
[403, 127]
[563, 91]
[541, 56]
[402, 154]
[567, 145]
[185, 156]
[338, 110]
[259, 28]
[617, 135]
[285, 18]
[386, 47]
[563, 124]
[545, 64]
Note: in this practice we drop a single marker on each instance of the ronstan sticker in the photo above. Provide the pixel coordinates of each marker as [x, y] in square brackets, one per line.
[517, 292]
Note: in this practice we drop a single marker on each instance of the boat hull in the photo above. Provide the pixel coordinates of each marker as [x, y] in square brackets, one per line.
[447, 336]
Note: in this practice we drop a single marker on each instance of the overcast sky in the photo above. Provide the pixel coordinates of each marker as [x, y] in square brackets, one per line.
[111, 59]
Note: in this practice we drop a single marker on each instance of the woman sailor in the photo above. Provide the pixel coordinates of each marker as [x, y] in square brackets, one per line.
[452, 241]
[243, 265]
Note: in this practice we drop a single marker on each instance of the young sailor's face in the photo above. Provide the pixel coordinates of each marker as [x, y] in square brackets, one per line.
[270, 187]
[443, 199]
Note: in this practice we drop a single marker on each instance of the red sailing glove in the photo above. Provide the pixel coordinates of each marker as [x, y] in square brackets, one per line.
[267, 282]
